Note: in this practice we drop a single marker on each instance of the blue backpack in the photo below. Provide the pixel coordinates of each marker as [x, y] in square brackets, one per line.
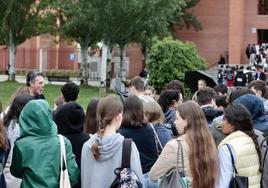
[229, 76]
[125, 176]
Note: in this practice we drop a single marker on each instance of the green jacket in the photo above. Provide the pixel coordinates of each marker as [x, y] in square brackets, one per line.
[36, 155]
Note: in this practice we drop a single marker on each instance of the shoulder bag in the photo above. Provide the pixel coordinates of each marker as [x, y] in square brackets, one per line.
[236, 181]
[64, 176]
[175, 177]
[157, 141]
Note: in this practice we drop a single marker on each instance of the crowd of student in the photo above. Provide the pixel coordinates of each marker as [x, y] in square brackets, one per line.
[240, 75]
[257, 54]
[197, 137]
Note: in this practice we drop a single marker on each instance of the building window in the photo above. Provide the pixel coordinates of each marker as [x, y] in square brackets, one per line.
[263, 7]
[262, 36]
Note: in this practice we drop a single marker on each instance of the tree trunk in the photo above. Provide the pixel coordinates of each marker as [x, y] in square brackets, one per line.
[84, 66]
[103, 81]
[144, 52]
[12, 58]
[121, 73]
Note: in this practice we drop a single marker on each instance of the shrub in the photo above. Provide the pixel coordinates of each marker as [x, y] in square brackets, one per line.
[63, 73]
[170, 59]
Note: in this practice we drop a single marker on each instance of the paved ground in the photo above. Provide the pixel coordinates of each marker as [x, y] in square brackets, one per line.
[22, 79]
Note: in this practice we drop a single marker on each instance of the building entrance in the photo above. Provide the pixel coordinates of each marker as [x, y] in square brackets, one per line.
[262, 36]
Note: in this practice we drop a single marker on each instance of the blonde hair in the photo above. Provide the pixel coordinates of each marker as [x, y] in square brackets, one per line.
[153, 112]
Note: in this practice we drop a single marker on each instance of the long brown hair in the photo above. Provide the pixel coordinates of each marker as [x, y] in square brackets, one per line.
[133, 113]
[203, 154]
[3, 137]
[90, 125]
[107, 109]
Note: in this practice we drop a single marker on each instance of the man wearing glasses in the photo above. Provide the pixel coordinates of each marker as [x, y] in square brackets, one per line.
[35, 83]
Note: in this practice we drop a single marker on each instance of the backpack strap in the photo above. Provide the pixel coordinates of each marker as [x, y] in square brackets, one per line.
[126, 153]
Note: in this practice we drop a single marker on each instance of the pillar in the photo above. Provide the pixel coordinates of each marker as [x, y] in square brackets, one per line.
[236, 30]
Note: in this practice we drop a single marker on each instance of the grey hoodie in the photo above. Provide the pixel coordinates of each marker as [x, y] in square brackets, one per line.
[100, 174]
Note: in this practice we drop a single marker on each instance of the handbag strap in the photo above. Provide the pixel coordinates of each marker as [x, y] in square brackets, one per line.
[126, 153]
[156, 136]
[264, 143]
[232, 157]
[180, 151]
[63, 163]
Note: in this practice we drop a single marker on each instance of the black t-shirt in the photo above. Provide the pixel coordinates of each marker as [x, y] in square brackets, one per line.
[39, 96]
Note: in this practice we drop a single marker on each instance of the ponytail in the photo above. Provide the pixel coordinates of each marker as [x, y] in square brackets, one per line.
[95, 146]
[107, 109]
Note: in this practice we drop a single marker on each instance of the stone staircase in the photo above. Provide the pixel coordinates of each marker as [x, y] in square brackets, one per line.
[212, 72]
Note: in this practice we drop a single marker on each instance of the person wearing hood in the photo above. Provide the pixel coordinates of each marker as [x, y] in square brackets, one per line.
[259, 88]
[70, 122]
[36, 154]
[169, 100]
[256, 108]
[102, 153]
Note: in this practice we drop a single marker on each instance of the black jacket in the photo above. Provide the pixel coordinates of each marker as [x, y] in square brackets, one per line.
[211, 113]
[70, 121]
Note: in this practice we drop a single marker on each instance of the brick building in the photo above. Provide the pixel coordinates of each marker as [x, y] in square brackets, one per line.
[228, 25]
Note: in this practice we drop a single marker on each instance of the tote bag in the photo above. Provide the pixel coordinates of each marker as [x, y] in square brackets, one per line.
[175, 178]
[64, 176]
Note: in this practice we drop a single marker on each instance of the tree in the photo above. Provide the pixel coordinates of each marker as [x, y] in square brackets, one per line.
[115, 22]
[21, 20]
[170, 59]
[81, 21]
[136, 21]
[182, 17]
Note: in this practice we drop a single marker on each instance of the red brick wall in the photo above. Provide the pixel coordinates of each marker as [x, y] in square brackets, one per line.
[135, 60]
[215, 17]
[212, 41]
[252, 20]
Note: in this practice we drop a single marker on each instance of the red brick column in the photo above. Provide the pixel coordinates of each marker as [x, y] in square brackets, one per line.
[236, 30]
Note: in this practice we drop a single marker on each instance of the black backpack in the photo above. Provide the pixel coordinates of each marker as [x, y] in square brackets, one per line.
[125, 176]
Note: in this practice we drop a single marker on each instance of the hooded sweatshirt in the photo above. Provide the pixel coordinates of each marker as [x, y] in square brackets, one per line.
[70, 122]
[36, 155]
[210, 113]
[100, 173]
[256, 108]
[170, 116]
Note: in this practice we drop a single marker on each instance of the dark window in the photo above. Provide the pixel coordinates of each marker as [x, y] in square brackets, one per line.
[262, 36]
[263, 7]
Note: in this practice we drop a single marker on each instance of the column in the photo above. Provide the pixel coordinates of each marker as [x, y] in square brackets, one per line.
[236, 30]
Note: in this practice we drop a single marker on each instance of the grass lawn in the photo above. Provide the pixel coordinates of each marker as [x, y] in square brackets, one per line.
[86, 93]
